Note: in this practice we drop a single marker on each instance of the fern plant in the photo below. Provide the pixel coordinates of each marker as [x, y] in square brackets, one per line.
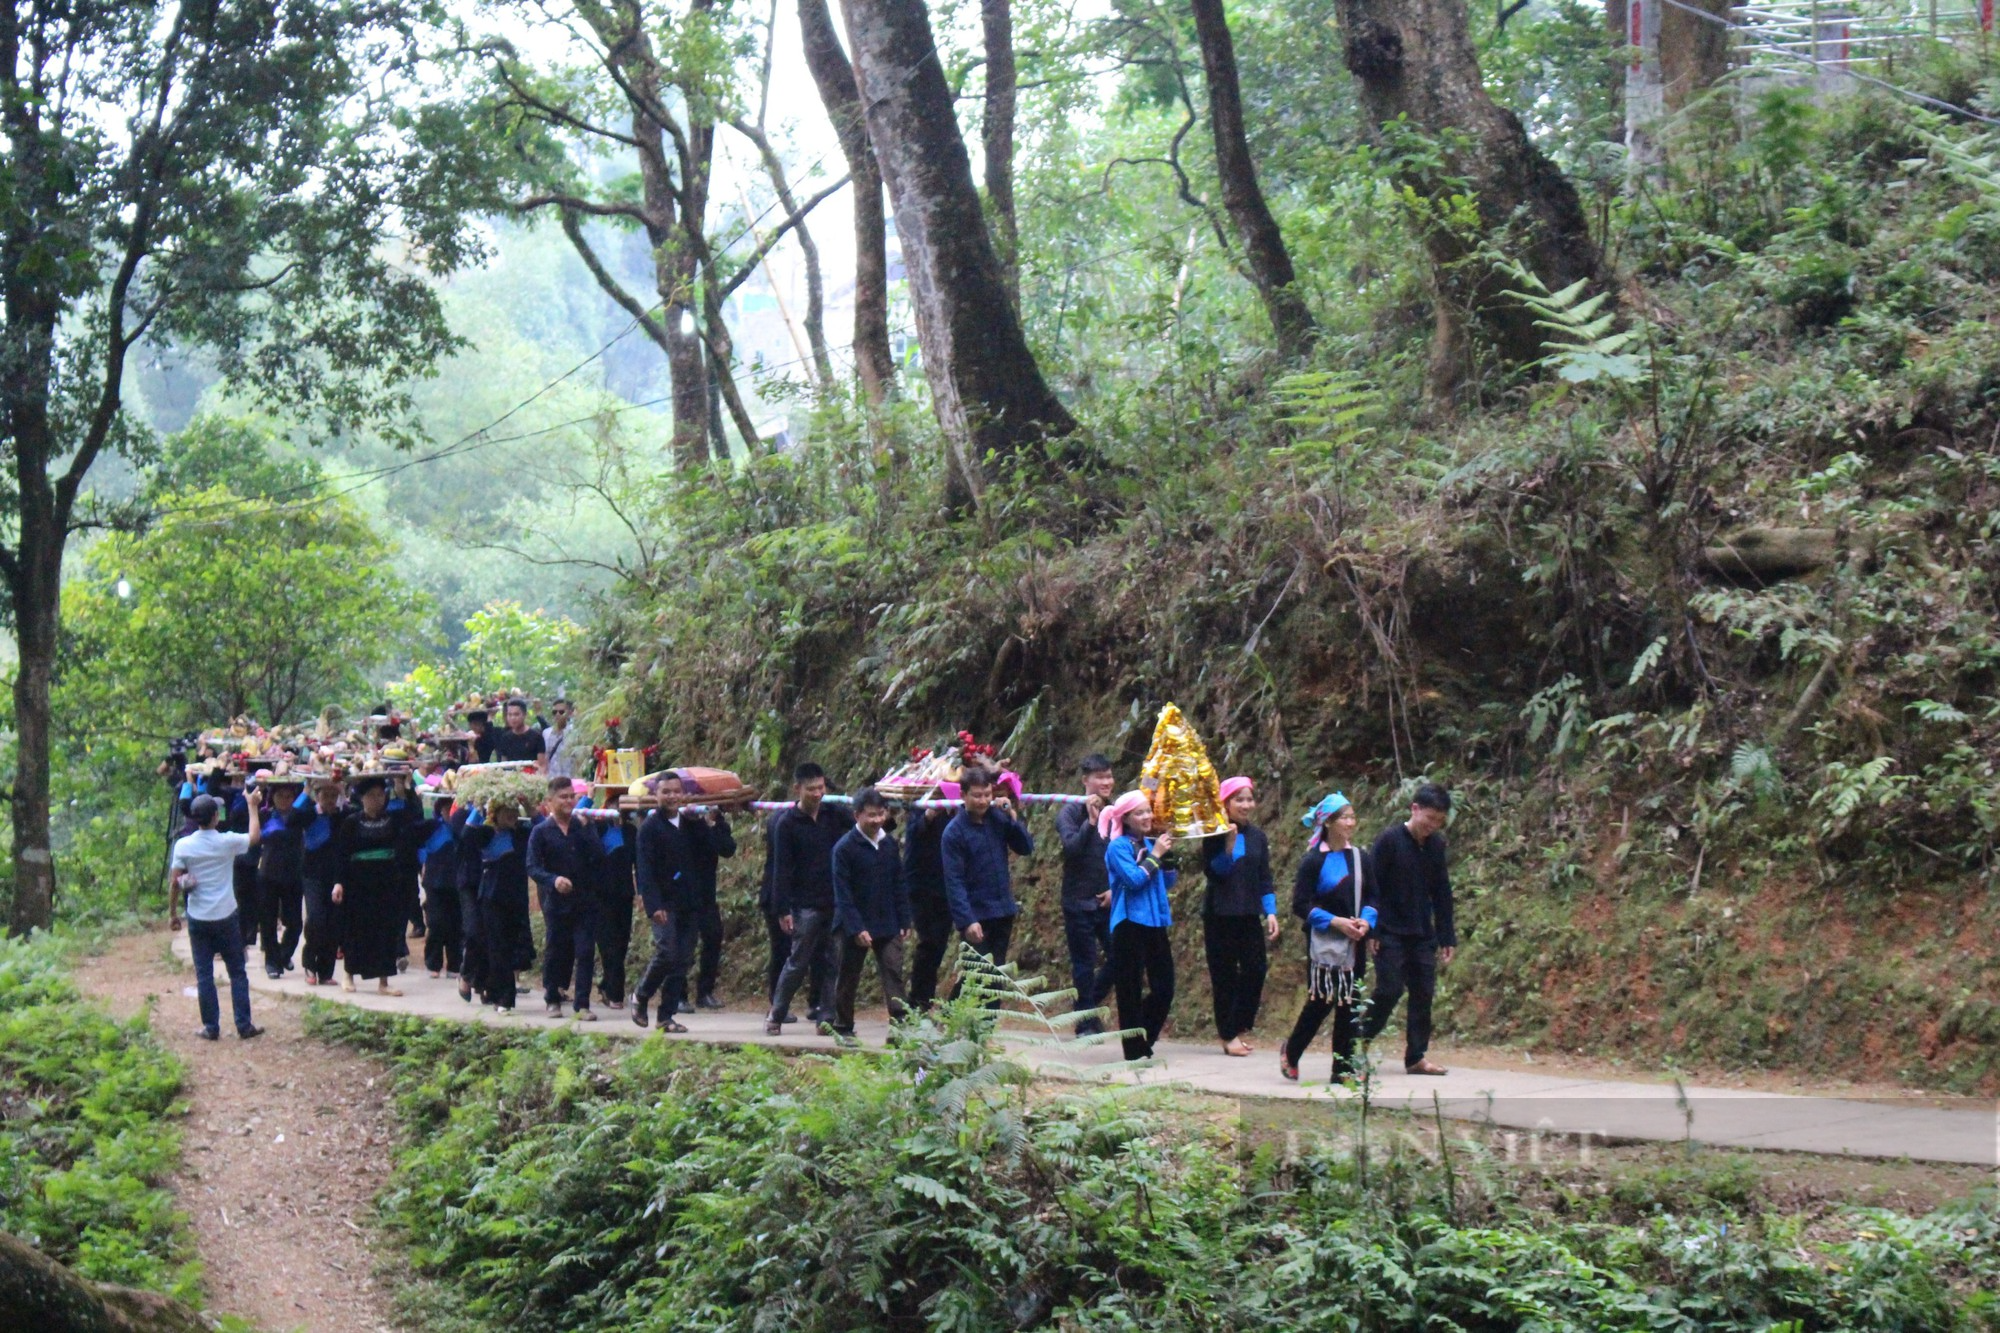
[1332, 408]
[1973, 162]
[1582, 346]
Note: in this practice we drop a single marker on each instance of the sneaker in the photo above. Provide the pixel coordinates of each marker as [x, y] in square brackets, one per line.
[684, 1008]
[553, 1011]
[247, 1033]
[708, 1001]
[586, 1015]
[274, 974]
[209, 1034]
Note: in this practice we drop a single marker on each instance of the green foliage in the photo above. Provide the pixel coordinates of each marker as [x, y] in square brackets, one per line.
[1333, 407]
[234, 606]
[86, 1139]
[507, 647]
[554, 1183]
[1582, 348]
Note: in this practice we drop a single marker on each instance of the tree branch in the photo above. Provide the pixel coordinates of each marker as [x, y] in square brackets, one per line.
[577, 204]
[742, 275]
[612, 287]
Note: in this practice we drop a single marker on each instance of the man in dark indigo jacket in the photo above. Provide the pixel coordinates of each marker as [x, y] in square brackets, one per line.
[871, 907]
[978, 881]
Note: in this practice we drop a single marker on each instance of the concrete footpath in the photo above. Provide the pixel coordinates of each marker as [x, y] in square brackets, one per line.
[1605, 1111]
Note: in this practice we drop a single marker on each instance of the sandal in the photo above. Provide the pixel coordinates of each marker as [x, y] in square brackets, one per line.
[1287, 1068]
[1236, 1046]
[672, 1025]
[347, 983]
[387, 989]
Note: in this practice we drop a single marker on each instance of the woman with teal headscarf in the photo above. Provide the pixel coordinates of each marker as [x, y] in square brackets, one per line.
[1334, 894]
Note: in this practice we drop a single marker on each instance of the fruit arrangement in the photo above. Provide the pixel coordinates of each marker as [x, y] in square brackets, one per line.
[929, 768]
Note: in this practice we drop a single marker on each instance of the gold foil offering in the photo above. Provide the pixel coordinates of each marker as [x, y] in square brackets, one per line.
[1177, 775]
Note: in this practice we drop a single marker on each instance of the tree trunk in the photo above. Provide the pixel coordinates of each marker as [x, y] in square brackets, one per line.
[37, 1292]
[1263, 244]
[1414, 59]
[34, 587]
[986, 387]
[873, 361]
[675, 268]
[37, 601]
[1694, 51]
[1617, 18]
[996, 18]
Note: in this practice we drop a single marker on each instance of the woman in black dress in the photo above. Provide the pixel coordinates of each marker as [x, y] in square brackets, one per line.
[1334, 894]
[506, 941]
[369, 889]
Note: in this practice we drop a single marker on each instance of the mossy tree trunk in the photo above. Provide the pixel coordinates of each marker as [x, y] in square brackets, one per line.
[1416, 70]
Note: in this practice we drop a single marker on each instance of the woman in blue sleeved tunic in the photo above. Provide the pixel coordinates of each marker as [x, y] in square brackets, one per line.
[1334, 894]
[506, 942]
[319, 837]
[1239, 918]
[1142, 958]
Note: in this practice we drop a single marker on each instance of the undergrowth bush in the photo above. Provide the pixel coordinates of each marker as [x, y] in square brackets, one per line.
[555, 1183]
[87, 1137]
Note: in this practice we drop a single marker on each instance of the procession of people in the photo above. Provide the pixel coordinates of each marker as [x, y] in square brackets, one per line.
[334, 876]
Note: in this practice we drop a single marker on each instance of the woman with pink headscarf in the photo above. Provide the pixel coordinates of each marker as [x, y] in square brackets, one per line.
[1239, 918]
[1142, 959]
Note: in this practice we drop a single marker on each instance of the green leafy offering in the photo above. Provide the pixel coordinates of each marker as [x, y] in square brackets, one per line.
[491, 788]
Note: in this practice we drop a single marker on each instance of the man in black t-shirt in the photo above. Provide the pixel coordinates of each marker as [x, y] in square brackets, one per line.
[1415, 933]
[518, 741]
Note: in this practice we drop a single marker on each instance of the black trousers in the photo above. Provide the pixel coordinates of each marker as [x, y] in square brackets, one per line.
[1236, 967]
[1405, 964]
[781, 949]
[1311, 1018]
[508, 938]
[475, 966]
[322, 932]
[706, 921]
[888, 951]
[666, 972]
[572, 953]
[815, 957]
[1142, 969]
[614, 945]
[279, 907]
[824, 972]
[1087, 931]
[933, 940]
[444, 930]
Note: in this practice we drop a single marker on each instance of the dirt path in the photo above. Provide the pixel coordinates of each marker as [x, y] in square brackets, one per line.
[286, 1143]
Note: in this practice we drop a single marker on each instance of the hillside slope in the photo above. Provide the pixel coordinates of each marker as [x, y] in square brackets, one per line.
[1700, 630]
